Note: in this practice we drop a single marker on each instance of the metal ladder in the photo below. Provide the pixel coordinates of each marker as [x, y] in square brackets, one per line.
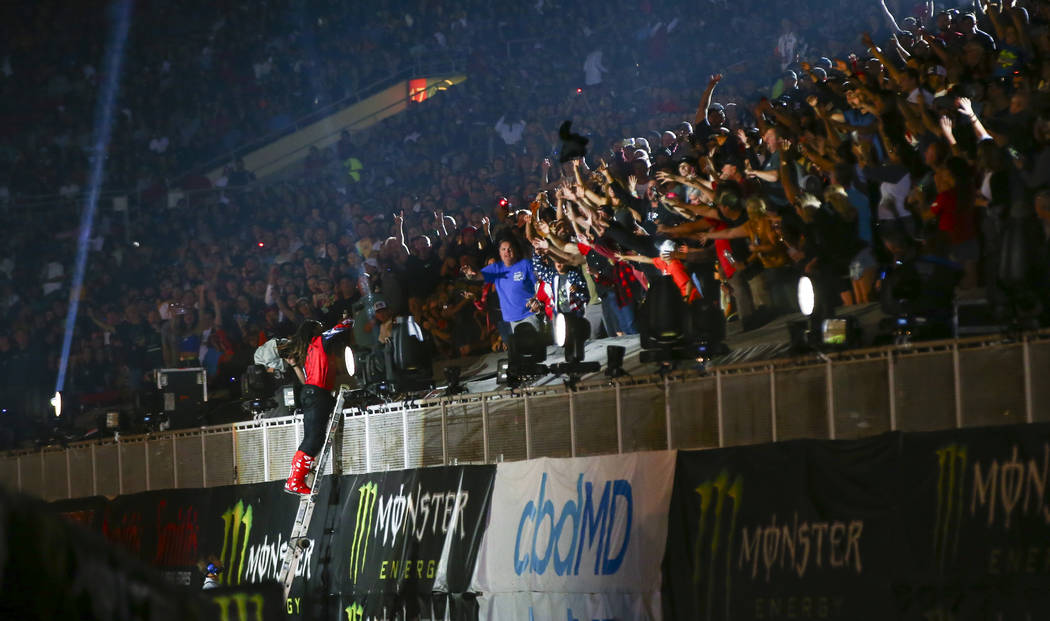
[298, 543]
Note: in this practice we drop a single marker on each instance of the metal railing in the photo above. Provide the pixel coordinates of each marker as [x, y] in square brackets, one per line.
[944, 385]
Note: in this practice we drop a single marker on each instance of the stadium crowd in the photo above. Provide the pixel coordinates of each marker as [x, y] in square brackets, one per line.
[837, 148]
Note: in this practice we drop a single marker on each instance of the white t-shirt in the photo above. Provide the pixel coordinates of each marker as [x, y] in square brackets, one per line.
[510, 133]
[593, 68]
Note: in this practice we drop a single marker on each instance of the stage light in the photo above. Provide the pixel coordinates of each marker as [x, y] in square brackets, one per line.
[806, 296]
[614, 361]
[526, 346]
[351, 363]
[402, 364]
[56, 404]
[570, 333]
[503, 371]
[671, 330]
[834, 331]
[662, 322]
[527, 353]
[821, 330]
[560, 329]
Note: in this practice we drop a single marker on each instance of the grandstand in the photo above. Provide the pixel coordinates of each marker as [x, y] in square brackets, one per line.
[778, 243]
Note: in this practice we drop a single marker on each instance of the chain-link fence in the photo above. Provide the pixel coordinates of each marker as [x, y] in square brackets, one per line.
[851, 395]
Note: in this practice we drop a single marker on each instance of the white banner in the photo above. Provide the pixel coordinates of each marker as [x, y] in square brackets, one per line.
[569, 607]
[585, 525]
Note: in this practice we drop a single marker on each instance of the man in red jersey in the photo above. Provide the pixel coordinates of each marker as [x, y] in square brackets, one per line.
[320, 354]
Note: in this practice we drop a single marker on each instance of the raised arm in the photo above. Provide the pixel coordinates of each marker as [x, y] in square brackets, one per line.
[994, 13]
[787, 180]
[736, 232]
[1021, 28]
[634, 258]
[967, 110]
[889, 16]
[399, 220]
[877, 52]
[706, 98]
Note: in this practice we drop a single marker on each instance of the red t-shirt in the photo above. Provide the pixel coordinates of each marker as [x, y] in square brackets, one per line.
[723, 249]
[318, 371]
[960, 227]
[676, 270]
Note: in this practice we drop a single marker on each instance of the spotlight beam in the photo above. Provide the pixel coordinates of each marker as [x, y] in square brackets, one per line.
[104, 114]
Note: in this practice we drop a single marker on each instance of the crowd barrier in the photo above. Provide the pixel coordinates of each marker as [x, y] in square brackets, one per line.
[923, 387]
[902, 525]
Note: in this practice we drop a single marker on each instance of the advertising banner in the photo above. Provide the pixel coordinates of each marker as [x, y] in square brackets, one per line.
[978, 524]
[404, 535]
[380, 545]
[796, 530]
[569, 606]
[160, 528]
[247, 602]
[51, 569]
[594, 525]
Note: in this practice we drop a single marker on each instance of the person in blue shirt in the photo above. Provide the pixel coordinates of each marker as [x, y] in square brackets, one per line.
[515, 283]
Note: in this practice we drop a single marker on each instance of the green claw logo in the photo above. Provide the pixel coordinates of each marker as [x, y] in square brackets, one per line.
[951, 474]
[233, 519]
[240, 601]
[714, 536]
[355, 612]
[362, 527]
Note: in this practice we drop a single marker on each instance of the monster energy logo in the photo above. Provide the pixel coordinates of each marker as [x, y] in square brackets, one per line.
[240, 601]
[362, 527]
[355, 612]
[234, 541]
[951, 471]
[711, 530]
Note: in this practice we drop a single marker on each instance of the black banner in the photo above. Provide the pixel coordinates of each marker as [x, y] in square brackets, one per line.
[248, 602]
[408, 520]
[797, 530]
[944, 526]
[979, 524]
[52, 569]
[404, 535]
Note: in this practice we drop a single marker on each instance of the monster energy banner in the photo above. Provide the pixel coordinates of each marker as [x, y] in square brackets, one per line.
[797, 530]
[404, 535]
[249, 602]
[380, 545]
[938, 526]
[979, 524]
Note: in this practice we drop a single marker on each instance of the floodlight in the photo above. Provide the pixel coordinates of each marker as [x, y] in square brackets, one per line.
[807, 299]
